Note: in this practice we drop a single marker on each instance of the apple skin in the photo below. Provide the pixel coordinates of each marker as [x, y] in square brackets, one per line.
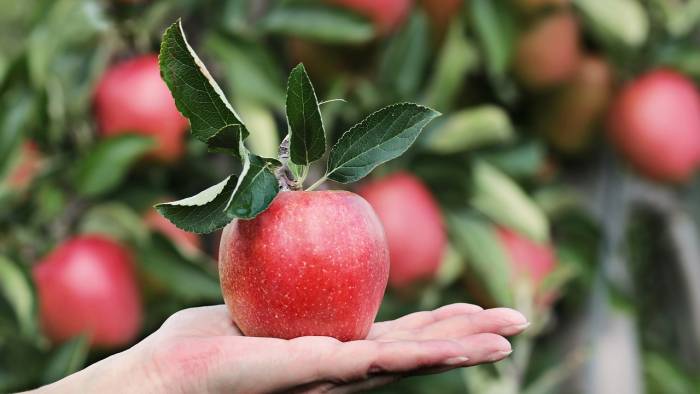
[569, 117]
[548, 53]
[27, 166]
[527, 258]
[655, 123]
[313, 263]
[185, 240]
[413, 226]
[131, 97]
[88, 285]
[387, 15]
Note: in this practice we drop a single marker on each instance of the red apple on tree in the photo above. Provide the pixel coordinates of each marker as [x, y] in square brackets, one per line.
[25, 167]
[528, 259]
[87, 285]
[413, 226]
[655, 123]
[548, 53]
[387, 15]
[292, 263]
[131, 98]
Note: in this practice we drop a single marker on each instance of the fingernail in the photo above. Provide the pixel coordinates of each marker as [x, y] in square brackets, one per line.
[456, 360]
[499, 355]
[514, 329]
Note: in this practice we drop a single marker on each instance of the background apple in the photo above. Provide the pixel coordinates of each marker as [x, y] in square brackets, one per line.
[87, 286]
[528, 258]
[189, 242]
[26, 166]
[548, 52]
[655, 123]
[387, 15]
[132, 98]
[313, 263]
[413, 226]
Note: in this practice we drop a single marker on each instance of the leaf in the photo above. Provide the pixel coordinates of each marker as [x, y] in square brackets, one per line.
[522, 160]
[382, 136]
[182, 278]
[68, 358]
[204, 212]
[403, 62]
[319, 23]
[116, 220]
[257, 187]
[265, 141]
[502, 200]
[479, 243]
[17, 111]
[197, 95]
[471, 128]
[616, 22]
[450, 71]
[307, 136]
[494, 22]
[16, 289]
[107, 164]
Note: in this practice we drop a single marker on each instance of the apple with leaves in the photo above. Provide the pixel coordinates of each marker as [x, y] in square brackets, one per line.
[655, 123]
[548, 52]
[413, 226]
[132, 98]
[292, 263]
[87, 285]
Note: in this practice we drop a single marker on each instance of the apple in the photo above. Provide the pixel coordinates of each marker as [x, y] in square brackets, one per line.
[440, 13]
[655, 123]
[528, 259]
[387, 15]
[313, 263]
[132, 98]
[413, 226]
[188, 242]
[568, 117]
[87, 285]
[530, 6]
[548, 53]
[26, 166]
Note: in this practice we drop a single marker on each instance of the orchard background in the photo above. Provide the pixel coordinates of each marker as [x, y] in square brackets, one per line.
[559, 180]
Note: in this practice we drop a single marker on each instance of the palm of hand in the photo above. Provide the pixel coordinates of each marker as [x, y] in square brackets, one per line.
[201, 350]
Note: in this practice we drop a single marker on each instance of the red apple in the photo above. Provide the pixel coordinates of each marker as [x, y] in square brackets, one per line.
[313, 263]
[25, 167]
[132, 98]
[440, 13]
[87, 285]
[387, 15]
[413, 226]
[569, 117]
[548, 53]
[189, 242]
[528, 258]
[655, 123]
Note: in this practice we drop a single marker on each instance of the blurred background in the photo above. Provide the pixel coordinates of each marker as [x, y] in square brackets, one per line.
[560, 179]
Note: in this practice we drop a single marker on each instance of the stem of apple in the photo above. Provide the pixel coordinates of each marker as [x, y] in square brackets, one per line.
[317, 183]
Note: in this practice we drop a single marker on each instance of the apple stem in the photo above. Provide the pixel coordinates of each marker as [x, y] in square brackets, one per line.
[284, 175]
[317, 183]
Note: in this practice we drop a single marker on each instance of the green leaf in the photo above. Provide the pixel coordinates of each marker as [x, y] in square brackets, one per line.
[117, 220]
[494, 24]
[616, 22]
[319, 23]
[471, 128]
[16, 289]
[382, 136]
[502, 200]
[204, 212]
[107, 164]
[197, 95]
[17, 111]
[257, 187]
[68, 358]
[307, 137]
[403, 62]
[522, 160]
[182, 278]
[479, 243]
[450, 70]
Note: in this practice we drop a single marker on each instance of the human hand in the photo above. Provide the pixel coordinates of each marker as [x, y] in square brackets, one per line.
[200, 350]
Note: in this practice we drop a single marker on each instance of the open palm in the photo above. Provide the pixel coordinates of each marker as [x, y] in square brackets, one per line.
[201, 350]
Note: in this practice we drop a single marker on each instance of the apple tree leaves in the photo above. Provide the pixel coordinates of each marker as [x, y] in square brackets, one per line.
[382, 136]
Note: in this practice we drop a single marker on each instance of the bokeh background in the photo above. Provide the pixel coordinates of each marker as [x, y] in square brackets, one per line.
[562, 169]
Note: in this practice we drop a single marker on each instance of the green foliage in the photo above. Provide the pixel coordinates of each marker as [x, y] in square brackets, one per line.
[307, 141]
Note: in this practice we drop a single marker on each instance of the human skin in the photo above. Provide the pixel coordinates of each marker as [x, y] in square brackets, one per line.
[200, 350]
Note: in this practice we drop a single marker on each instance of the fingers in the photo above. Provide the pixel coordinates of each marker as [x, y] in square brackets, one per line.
[502, 321]
[420, 319]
